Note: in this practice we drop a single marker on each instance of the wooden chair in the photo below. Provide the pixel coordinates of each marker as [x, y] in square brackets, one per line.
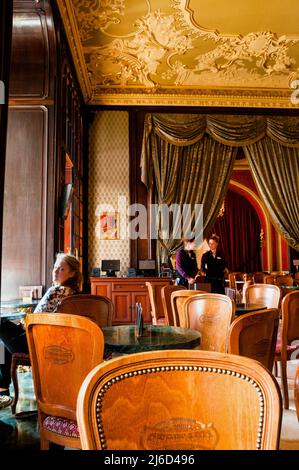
[211, 315]
[259, 277]
[296, 391]
[98, 308]
[289, 332]
[264, 294]
[254, 335]
[157, 312]
[63, 349]
[284, 280]
[233, 277]
[177, 299]
[179, 399]
[166, 292]
[269, 279]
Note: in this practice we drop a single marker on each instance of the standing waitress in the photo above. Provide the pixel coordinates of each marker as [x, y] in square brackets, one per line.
[214, 266]
[186, 264]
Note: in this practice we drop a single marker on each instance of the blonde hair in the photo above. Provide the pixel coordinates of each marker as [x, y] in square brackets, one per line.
[75, 281]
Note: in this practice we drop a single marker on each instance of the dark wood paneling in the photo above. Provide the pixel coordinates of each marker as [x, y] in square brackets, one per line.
[5, 48]
[140, 248]
[30, 65]
[25, 201]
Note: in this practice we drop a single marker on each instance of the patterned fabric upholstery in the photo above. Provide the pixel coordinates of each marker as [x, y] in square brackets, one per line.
[290, 348]
[62, 426]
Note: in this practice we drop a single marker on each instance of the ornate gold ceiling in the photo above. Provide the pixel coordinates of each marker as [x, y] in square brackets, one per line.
[185, 52]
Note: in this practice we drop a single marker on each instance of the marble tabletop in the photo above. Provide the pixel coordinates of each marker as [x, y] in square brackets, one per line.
[122, 338]
[247, 308]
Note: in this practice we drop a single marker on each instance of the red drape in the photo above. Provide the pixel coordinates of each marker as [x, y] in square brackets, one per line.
[239, 229]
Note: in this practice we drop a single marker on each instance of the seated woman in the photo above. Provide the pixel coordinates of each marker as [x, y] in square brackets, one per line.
[66, 278]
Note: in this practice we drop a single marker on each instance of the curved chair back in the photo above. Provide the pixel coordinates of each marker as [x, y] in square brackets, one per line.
[259, 277]
[96, 307]
[233, 277]
[63, 349]
[157, 311]
[296, 391]
[254, 335]
[179, 399]
[284, 280]
[269, 279]
[166, 292]
[211, 315]
[265, 294]
[177, 299]
[289, 332]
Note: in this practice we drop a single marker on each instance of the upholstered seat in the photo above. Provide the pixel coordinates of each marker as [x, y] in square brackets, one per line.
[61, 426]
[63, 349]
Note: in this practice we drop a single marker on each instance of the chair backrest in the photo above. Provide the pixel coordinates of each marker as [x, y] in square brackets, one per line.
[296, 391]
[259, 277]
[166, 292]
[284, 280]
[179, 399]
[265, 294]
[96, 307]
[63, 349]
[269, 279]
[211, 315]
[177, 300]
[233, 277]
[254, 335]
[154, 292]
[290, 320]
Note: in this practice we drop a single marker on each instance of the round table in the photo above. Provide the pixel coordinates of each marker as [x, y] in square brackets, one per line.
[122, 339]
[246, 308]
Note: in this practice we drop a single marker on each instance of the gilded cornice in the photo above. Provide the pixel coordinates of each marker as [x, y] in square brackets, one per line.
[156, 53]
[71, 28]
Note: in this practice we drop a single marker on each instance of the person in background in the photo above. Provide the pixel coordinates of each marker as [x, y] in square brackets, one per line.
[186, 263]
[213, 266]
[66, 277]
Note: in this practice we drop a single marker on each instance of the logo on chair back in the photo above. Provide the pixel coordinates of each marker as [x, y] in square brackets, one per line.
[179, 433]
[58, 354]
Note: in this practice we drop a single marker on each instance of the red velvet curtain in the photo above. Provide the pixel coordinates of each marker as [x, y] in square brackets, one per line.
[239, 229]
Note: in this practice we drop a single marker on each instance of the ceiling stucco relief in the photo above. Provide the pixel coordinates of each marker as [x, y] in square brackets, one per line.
[156, 48]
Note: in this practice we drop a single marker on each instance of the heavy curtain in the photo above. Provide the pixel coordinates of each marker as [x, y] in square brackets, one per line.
[180, 153]
[239, 228]
[189, 168]
[276, 173]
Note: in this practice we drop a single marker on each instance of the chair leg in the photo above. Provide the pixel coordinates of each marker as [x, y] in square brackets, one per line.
[284, 381]
[14, 376]
[275, 369]
[44, 443]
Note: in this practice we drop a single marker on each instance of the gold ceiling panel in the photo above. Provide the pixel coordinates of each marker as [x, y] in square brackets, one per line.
[185, 52]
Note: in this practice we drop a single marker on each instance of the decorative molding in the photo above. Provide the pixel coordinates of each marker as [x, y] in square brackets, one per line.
[70, 25]
[158, 57]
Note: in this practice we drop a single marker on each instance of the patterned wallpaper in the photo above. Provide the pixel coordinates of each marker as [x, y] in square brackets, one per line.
[108, 181]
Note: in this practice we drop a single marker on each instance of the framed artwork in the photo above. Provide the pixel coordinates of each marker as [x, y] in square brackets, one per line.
[109, 226]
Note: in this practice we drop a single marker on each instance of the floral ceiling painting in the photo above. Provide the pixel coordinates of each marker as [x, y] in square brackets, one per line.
[185, 52]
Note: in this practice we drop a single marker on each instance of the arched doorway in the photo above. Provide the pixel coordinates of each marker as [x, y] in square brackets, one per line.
[239, 228]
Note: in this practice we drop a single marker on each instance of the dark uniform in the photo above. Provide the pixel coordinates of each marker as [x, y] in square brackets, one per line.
[186, 266]
[214, 268]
